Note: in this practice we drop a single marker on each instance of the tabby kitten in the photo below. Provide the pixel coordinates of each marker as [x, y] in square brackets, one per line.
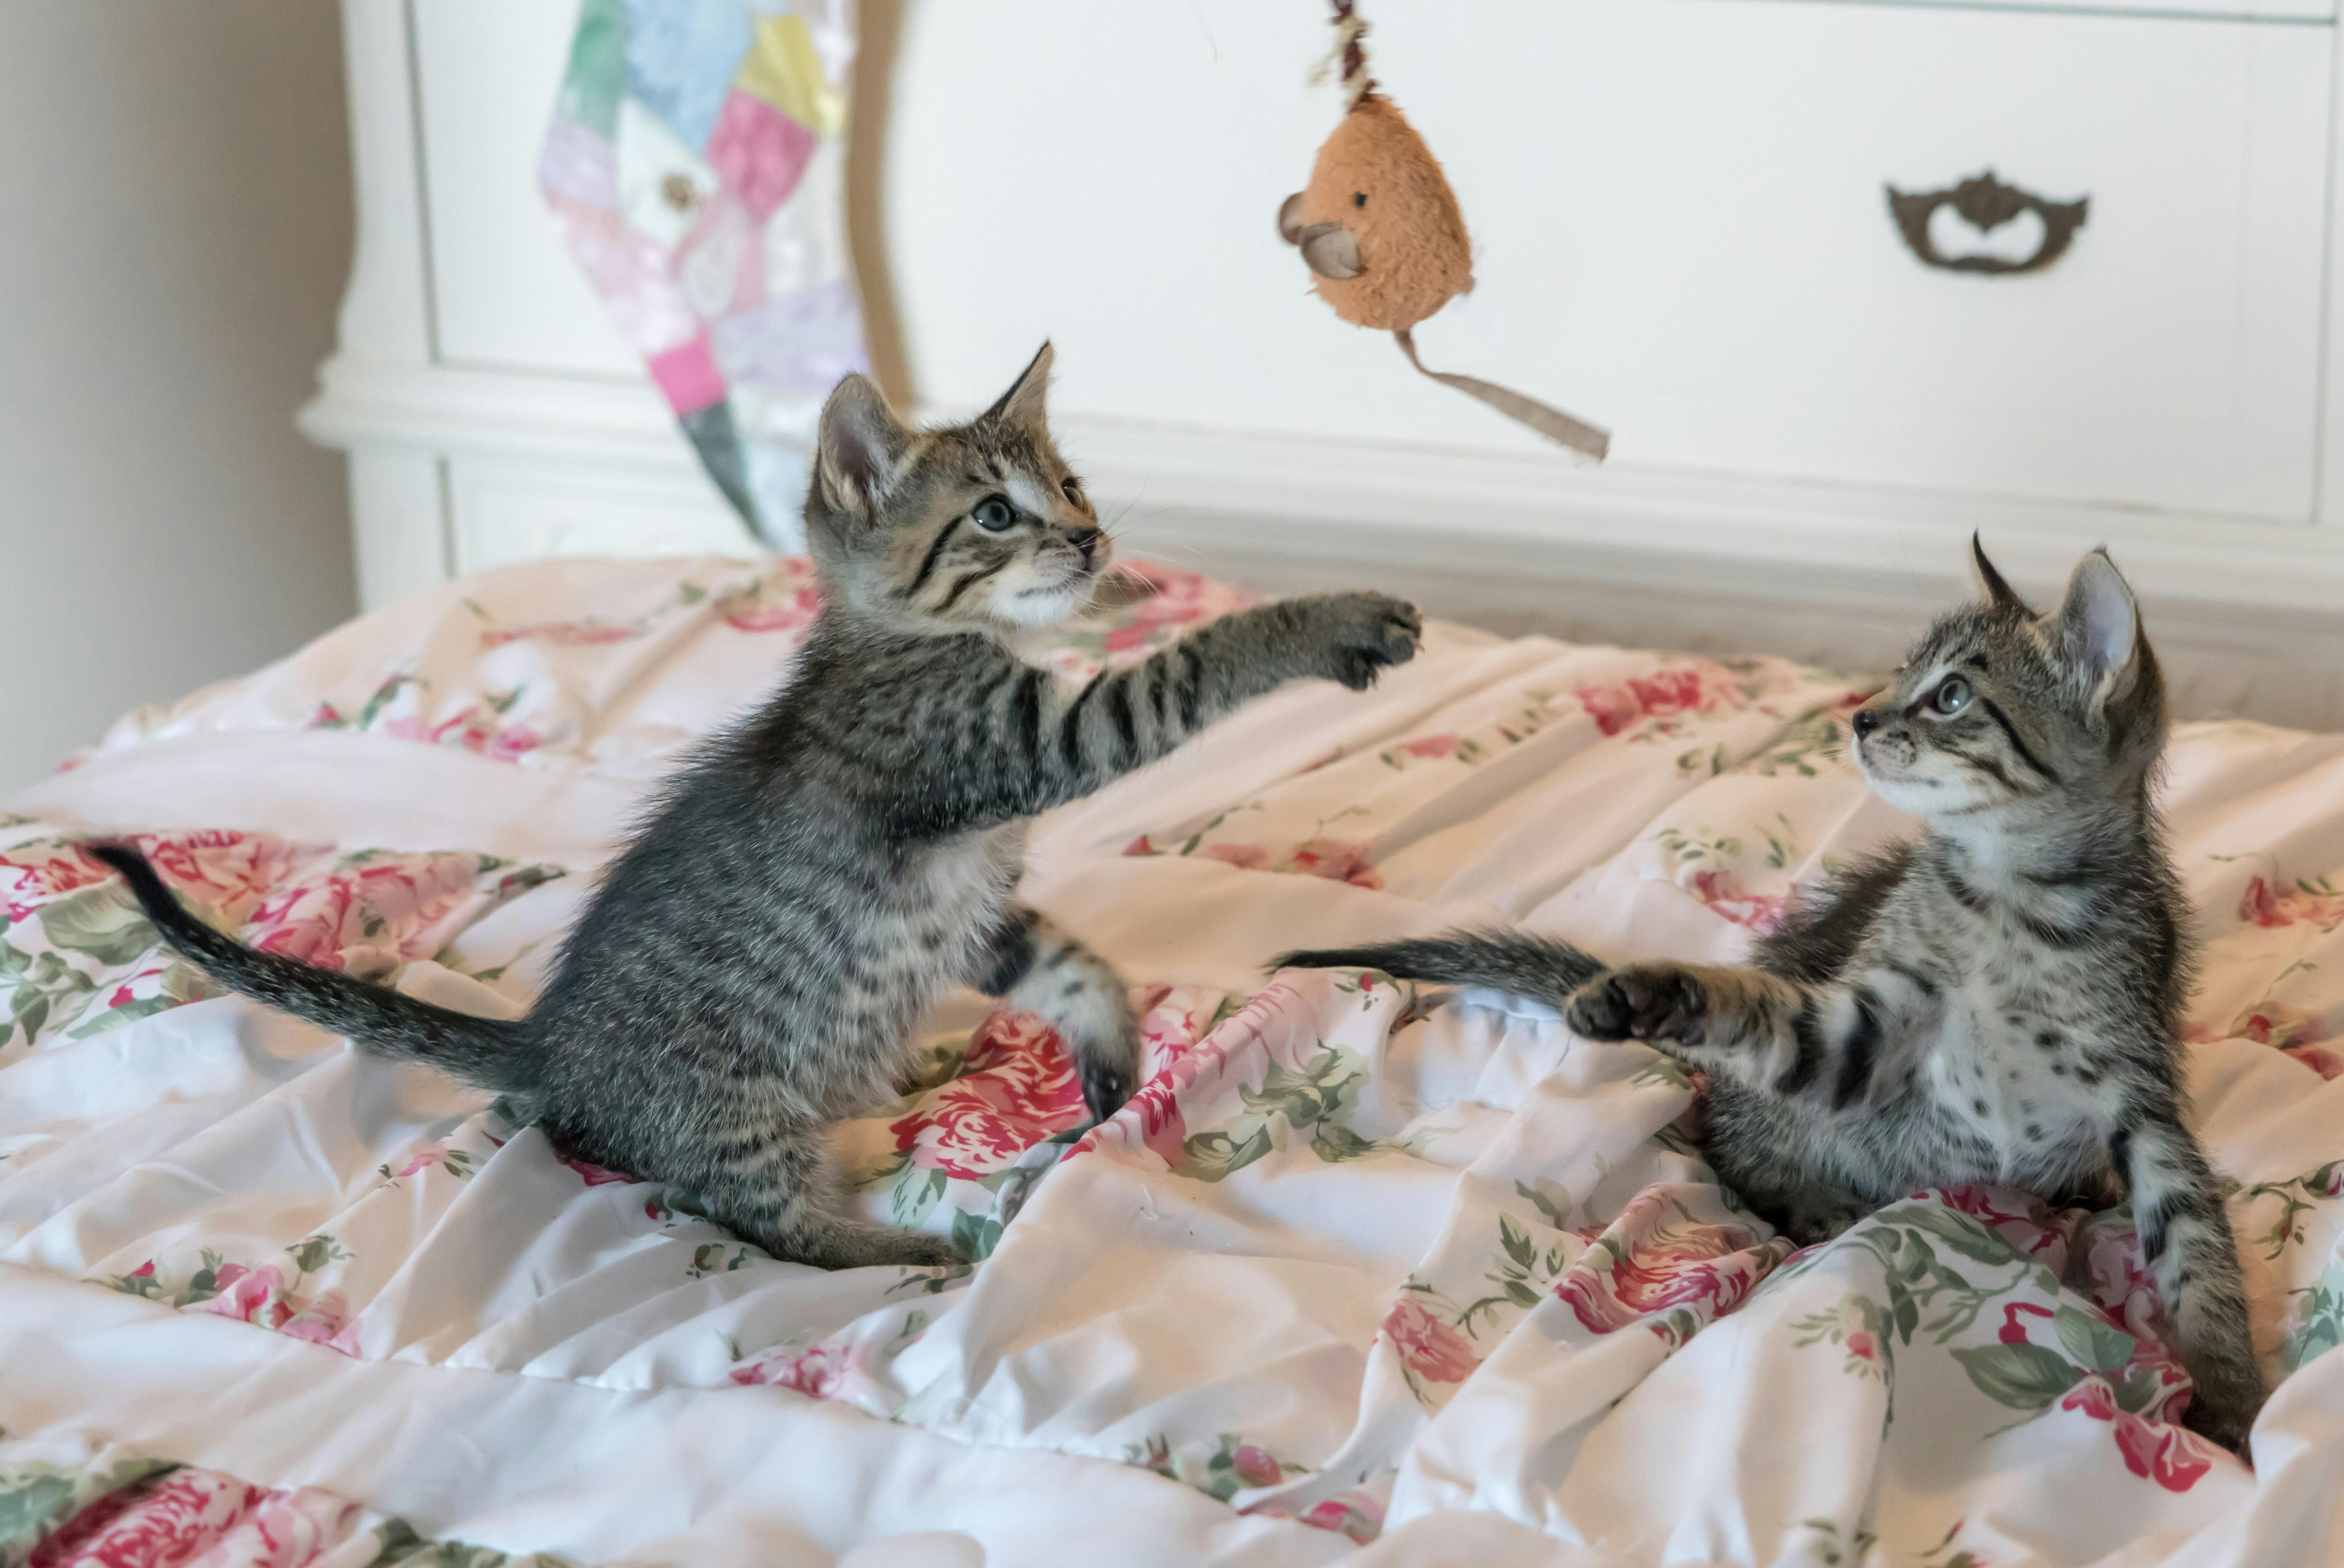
[750, 969]
[1996, 1001]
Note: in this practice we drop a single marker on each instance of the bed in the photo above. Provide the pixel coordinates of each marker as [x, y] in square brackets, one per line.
[1364, 1274]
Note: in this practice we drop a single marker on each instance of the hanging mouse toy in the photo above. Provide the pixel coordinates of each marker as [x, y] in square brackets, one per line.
[1379, 227]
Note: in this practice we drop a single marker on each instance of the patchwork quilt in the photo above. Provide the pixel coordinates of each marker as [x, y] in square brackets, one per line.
[1365, 1273]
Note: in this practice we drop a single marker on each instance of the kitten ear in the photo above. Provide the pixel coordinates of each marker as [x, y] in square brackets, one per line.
[2002, 596]
[860, 448]
[2098, 635]
[1022, 404]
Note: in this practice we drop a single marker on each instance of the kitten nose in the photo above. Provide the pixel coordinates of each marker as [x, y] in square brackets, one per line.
[1866, 720]
[1085, 540]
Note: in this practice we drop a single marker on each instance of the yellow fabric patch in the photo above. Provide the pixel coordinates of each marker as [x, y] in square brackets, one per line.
[782, 68]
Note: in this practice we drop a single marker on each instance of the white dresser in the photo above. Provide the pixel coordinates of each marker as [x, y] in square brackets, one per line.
[1685, 229]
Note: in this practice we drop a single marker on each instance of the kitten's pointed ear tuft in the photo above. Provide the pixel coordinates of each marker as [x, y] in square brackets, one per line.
[2098, 631]
[1024, 402]
[1999, 592]
[859, 449]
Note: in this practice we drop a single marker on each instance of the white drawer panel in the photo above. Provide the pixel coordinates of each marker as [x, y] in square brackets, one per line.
[1681, 227]
[506, 293]
[505, 510]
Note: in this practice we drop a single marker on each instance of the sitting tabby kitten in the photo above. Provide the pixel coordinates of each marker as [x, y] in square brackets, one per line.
[1996, 1001]
[750, 970]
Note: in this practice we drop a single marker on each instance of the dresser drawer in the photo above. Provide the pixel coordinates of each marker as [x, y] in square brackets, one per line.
[1682, 226]
[1733, 289]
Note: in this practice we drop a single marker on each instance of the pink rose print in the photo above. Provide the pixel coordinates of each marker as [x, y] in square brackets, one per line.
[1254, 1467]
[160, 1523]
[219, 867]
[1335, 860]
[324, 1322]
[2172, 1456]
[562, 634]
[1863, 1346]
[472, 730]
[372, 916]
[2298, 1036]
[817, 1371]
[1432, 746]
[427, 1157]
[2272, 905]
[1725, 897]
[1016, 1087]
[785, 602]
[2024, 1221]
[592, 1174]
[1701, 688]
[32, 874]
[1141, 846]
[262, 1296]
[1245, 857]
[1355, 1514]
[1427, 1345]
[1657, 1265]
[2013, 1332]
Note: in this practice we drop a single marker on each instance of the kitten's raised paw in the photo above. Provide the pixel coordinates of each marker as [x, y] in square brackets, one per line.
[1107, 1085]
[1364, 633]
[1648, 1002]
[928, 1252]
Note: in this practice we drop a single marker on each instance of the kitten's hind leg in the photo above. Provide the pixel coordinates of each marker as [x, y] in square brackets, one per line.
[2185, 1238]
[1034, 965]
[786, 1194]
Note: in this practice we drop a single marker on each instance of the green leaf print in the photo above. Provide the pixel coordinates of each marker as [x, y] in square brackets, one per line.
[916, 1192]
[2092, 1340]
[974, 1235]
[2319, 1325]
[1551, 1199]
[103, 922]
[2298, 1196]
[2023, 1377]
[1315, 1098]
[721, 1257]
[312, 1254]
[36, 1497]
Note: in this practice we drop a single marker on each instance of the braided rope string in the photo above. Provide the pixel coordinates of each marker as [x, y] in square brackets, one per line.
[1350, 56]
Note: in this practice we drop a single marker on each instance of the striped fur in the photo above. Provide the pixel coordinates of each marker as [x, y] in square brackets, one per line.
[1997, 1001]
[752, 967]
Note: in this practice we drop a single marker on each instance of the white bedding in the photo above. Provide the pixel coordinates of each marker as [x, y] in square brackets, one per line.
[1358, 1266]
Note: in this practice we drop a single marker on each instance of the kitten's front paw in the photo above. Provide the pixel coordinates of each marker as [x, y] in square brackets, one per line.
[1645, 1002]
[917, 1252]
[1363, 633]
[1110, 1075]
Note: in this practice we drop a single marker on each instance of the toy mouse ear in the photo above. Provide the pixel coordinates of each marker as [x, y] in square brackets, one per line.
[1289, 219]
[1330, 251]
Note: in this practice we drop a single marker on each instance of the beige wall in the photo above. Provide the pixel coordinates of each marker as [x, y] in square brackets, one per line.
[174, 231]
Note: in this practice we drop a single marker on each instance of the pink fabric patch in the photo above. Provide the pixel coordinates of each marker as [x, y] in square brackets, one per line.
[758, 153]
[689, 377]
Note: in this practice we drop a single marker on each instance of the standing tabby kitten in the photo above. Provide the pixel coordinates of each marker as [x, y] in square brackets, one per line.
[1997, 1001]
[750, 970]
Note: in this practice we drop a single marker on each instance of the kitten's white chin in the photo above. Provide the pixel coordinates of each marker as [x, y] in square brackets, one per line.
[1039, 606]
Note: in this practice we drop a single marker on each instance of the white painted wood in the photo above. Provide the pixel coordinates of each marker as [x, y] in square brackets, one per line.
[1803, 486]
[508, 509]
[385, 314]
[398, 522]
[507, 292]
[1681, 227]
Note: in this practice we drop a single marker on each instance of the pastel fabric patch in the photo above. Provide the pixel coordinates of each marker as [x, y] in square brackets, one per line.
[681, 57]
[785, 70]
[695, 163]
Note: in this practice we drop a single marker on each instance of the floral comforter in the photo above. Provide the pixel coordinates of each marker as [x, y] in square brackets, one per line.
[1363, 1274]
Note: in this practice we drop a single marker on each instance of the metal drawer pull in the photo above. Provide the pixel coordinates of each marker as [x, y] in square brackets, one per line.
[1987, 204]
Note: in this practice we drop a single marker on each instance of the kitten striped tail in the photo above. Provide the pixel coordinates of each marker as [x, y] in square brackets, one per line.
[1515, 962]
[386, 1022]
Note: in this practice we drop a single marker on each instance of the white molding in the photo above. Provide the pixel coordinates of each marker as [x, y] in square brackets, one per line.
[1450, 506]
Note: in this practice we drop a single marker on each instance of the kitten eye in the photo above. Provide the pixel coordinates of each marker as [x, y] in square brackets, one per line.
[1073, 488]
[993, 514]
[1953, 695]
